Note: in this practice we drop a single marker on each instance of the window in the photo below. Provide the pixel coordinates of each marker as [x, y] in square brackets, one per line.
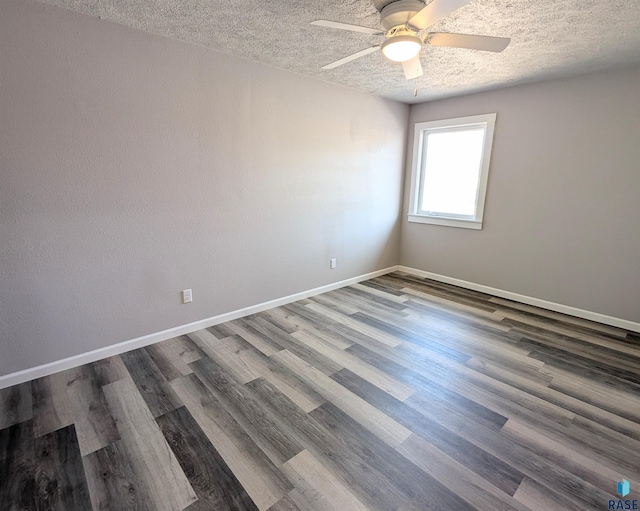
[450, 171]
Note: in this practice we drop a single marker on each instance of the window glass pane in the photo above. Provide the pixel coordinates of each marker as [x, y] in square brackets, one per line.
[452, 168]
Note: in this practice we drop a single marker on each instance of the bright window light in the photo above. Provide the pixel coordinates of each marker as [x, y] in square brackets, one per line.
[450, 171]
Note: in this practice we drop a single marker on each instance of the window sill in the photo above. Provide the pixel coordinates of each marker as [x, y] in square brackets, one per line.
[449, 222]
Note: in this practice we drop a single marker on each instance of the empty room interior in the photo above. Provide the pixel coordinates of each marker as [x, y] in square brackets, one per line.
[320, 255]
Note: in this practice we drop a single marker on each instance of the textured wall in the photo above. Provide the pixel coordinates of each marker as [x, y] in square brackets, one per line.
[133, 166]
[562, 216]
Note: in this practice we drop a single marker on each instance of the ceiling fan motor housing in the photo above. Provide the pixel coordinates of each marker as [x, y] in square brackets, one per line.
[399, 13]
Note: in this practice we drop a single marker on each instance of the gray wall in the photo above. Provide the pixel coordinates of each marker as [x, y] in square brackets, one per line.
[134, 166]
[562, 216]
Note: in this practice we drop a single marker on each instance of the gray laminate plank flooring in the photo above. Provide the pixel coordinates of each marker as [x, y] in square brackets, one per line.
[398, 394]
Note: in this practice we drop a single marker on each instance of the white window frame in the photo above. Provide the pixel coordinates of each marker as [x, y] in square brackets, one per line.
[485, 121]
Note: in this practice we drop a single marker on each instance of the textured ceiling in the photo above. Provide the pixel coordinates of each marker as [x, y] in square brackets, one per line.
[549, 38]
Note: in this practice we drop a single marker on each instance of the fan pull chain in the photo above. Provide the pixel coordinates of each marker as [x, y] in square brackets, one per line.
[415, 91]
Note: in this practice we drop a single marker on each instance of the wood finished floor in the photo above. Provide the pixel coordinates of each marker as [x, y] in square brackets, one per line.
[398, 393]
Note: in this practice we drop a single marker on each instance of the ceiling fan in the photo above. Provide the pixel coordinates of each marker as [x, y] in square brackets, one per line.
[404, 24]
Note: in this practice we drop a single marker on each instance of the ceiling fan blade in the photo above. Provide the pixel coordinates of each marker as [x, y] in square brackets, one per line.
[412, 68]
[355, 56]
[434, 12]
[471, 42]
[347, 26]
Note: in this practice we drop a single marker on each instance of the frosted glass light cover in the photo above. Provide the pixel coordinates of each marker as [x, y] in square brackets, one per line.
[401, 48]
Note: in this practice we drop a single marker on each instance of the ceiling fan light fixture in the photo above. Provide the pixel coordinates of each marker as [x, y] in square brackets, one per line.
[401, 48]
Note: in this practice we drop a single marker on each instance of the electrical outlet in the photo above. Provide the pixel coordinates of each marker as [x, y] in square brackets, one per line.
[187, 297]
[333, 263]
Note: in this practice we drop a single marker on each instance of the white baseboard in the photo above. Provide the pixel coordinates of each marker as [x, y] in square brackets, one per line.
[537, 302]
[25, 375]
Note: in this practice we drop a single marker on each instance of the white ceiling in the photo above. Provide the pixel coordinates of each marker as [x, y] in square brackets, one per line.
[549, 38]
